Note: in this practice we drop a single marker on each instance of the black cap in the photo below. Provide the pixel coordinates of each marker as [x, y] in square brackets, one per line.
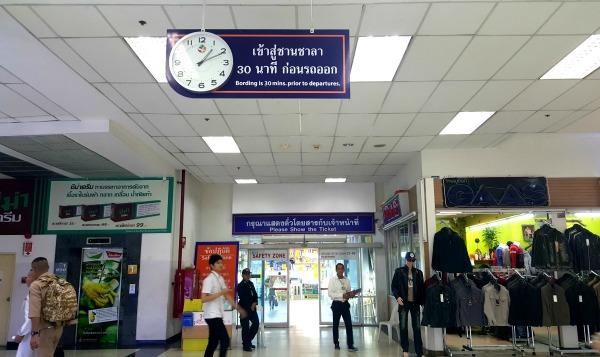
[410, 256]
[246, 271]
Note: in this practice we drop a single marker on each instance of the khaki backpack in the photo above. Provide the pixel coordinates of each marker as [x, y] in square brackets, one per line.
[59, 301]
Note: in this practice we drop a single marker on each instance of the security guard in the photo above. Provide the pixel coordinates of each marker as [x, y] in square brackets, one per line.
[248, 299]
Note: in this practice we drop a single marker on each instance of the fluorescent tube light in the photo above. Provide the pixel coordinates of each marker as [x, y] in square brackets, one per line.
[499, 222]
[582, 61]
[221, 144]
[151, 51]
[587, 214]
[335, 179]
[377, 58]
[448, 213]
[466, 123]
[245, 181]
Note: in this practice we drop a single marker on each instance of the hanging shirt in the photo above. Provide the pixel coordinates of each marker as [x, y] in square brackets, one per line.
[213, 284]
[496, 304]
[337, 288]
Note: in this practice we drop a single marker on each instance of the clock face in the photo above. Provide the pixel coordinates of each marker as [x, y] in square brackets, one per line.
[201, 62]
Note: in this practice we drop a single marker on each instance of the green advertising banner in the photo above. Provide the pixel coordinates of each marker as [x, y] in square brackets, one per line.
[99, 296]
[110, 206]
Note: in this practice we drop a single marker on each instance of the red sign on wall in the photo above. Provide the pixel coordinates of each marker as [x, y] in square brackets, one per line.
[228, 250]
[27, 248]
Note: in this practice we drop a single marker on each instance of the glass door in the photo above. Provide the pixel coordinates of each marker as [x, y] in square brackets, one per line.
[328, 260]
[270, 277]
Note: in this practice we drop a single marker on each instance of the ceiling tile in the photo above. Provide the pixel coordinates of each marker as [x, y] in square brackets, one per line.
[388, 170]
[36, 119]
[412, 143]
[430, 57]
[240, 171]
[343, 158]
[145, 124]
[479, 141]
[397, 158]
[518, 18]
[324, 144]
[587, 124]
[83, 21]
[237, 106]
[315, 158]
[593, 105]
[259, 158]
[146, 97]
[171, 125]
[246, 125]
[14, 105]
[372, 141]
[495, 95]
[363, 170]
[339, 170]
[72, 59]
[187, 17]
[367, 97]
[7, 77]
[111, 58]
[452, 96]
[4, 120]
[391, 124]
[29, 19]
[314, 170]
[466, 18]
[540, 121]
[214, 170]
[353, 144]
[125, 19]
[503, 122]
[166, 144]
[484, 56]
[253, 144]
[278, 106]
[330, 17]
[286, 144]
[320, 106]
[537, 56]
[539, 94]
[289, 170]
[115, 97]
[577, 97]
[265, 17]
[392, 19]
[282, 124]
[371, 158]
[214, 126]
[203, 159]
[288, 158]
[408, 97]
[231, 159]
[573, 18]
[190, 144]
[446, 141]
[266, 180]
[220, 179]
[182, 158]
[355, 124]
[568, 120]
[189, 105]
[319, 124]
[264, 170]
[40, 100]
[429, 124]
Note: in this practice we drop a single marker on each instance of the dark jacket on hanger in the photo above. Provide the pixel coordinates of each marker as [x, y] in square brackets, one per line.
[519, 312]
[450, 253]
[584, 247]
[400, 285]
[555, 307]
[439, 308]
[469, 303]
[550, 249]
[583, 304]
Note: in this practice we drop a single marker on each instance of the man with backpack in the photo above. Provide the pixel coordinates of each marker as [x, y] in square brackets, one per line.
[52, 304]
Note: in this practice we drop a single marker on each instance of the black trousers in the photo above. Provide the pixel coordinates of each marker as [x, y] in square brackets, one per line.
[342, 309]
[217, 334]
[415, 318]
[249, 332]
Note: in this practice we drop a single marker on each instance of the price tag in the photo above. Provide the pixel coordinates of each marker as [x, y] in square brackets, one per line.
[555, 298]
[580, 298]
[441, 297]
[587, 242]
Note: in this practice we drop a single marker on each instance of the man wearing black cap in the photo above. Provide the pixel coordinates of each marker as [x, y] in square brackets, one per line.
[248, 300]
[408, 288]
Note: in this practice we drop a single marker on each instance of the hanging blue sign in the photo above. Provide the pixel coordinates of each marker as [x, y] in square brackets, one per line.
[259, 63]
[495, 192]
[333, 223]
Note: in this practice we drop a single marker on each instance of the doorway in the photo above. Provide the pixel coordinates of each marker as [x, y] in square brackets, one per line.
[270, 276]
[7, 271]
[304, 287]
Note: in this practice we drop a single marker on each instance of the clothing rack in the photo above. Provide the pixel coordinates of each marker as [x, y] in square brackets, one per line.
[470, 349]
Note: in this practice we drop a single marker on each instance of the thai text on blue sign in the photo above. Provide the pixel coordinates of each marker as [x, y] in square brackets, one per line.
[342, 223]
[279, 64]
[495, 192]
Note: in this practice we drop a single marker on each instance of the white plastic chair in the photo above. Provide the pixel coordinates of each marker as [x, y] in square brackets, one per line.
[393, 323]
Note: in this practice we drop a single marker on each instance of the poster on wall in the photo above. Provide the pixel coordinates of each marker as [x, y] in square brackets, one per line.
[16, 206]
[110, 206]
[230, 253]
[99, 296]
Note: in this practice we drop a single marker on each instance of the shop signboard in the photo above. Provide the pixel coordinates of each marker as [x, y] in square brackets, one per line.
[269, 64]
[338, 254]
[99, 296]
[391, 209]
[16, 206]
[305, 223]
[230, 253]
[496, 192]
[279, 254]
[110, 206]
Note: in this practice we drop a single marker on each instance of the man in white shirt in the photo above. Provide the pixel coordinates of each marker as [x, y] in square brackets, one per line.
[339, 291]
[24, 335]
[214, 293]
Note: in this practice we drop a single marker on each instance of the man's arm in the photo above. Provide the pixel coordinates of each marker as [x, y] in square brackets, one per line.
[35, 314]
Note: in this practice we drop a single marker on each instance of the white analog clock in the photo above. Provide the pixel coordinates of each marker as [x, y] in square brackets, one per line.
[201, 62]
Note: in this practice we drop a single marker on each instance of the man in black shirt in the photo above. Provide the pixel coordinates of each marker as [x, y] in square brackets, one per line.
[248, 300]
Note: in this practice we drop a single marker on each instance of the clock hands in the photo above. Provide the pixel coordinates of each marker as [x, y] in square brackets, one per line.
[217, 55]
[205, 58]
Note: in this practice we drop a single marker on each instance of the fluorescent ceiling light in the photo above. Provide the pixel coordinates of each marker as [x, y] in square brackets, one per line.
[377, 58]
[335, 179]
[151, 51]
[587, 214]
[466, 123]
[499, 222]
[245, 181]
[582, 61]
[221, 144]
